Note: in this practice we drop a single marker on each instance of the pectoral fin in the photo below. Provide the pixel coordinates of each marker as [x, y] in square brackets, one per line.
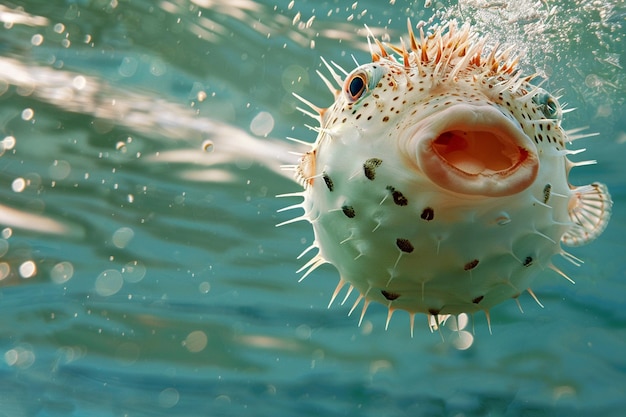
[589, 210]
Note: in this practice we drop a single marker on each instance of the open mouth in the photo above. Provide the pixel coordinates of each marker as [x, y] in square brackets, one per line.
[475, 150]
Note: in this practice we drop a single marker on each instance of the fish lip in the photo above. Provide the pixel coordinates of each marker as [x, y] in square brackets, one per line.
[488, 137]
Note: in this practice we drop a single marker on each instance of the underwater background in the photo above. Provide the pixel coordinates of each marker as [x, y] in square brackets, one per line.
[141, 272]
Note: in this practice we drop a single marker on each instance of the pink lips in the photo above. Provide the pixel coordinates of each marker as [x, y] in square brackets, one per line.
[475, 150]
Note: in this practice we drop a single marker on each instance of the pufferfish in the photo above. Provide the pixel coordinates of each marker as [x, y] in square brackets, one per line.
[438, 182]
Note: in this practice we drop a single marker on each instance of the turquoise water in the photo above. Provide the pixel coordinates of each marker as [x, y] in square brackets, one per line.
[141, 273]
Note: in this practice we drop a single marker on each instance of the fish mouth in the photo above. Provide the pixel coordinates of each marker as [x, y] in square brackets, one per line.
[475, 150]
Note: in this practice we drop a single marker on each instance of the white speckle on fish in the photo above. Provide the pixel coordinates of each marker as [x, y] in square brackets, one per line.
[438, 183]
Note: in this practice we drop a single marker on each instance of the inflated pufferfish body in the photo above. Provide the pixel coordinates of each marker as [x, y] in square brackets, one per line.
[438, 182]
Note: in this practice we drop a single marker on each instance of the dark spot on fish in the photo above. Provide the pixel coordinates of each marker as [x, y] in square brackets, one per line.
[369, 167]
[528, 261]
[471, 265]
[404, 245]
[398, 198]
[389, 295]
[386, 119]
[328, 181]
[428, 214]
[478, 299]
[348, 211]
[546, 193]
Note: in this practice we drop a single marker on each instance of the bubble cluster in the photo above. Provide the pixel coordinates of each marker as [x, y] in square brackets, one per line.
[461, 339]
[20, 356]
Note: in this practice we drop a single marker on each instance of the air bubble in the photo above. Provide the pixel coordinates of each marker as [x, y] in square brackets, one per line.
[62, 272]
[8, 142]
[28, 114]
[122, 236]
[128, 67]
[463, 340]
[59, 170]
[593, 81]
[195, 341]
[133, 271]
[204, 287]
[168, 398]
[207, 146]
[28, 269]
[37, 39]
[79, 82]
[18, 185]
[262, 124]
[5, 270]
[109, 282]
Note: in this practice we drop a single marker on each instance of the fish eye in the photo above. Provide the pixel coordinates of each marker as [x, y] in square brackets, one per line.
[548, 105]
[355, 86]
[551, 108]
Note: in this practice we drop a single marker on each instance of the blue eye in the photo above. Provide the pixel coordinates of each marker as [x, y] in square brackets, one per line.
[356, 86]
[547, 105]
[362, 81]
[551, 108]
